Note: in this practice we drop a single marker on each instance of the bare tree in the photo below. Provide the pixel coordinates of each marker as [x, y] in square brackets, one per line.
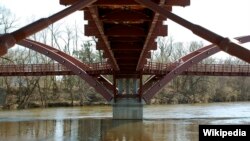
[8, 21]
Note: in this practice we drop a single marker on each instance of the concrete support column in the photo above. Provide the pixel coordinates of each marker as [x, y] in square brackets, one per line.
[140, 85]
[127, 86]
[135, 86]
[120, 86]
[127, 108]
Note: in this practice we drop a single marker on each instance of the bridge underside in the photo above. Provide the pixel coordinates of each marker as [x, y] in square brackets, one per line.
[126, 31]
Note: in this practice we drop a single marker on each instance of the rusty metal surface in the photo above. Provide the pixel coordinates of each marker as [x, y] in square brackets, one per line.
[71, 63]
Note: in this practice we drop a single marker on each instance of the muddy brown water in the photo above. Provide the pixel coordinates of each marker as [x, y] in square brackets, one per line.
[95, 123]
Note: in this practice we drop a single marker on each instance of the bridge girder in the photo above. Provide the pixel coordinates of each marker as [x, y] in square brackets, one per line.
[129, 2]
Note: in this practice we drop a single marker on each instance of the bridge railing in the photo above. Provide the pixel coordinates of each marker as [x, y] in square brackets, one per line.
[150, 68]
[99, 66]
[32, 68]
[54, 67]
[227, 68]
[161, 68]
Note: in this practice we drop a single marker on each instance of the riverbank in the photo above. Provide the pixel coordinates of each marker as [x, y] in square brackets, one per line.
[64, 104]
[31, 105]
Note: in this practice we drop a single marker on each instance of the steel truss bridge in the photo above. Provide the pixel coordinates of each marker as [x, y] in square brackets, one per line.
[126, 32]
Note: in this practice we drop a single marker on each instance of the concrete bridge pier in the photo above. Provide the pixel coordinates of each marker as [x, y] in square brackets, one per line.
[127, 103]
[128, 108]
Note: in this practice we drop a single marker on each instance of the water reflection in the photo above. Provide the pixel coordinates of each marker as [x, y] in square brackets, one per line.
[168, 123]
[124, 130]
[59, 130]
[99, 130]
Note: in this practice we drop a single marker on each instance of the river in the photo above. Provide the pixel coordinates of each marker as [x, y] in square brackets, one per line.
[94, 123]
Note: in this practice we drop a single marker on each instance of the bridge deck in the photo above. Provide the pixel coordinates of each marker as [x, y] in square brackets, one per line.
[126, 30]
[103, 68]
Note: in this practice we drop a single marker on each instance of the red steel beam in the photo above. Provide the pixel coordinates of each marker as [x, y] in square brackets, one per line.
[128, 16]
[106, 82]
[124, 30]
[149, 82]
[224, 44]
[106, 46]
[149, 38]
[127, 39]
[9, 40]
[129, 2]
[126, 46]
[71, 63]
[188, 62]
[178, 2]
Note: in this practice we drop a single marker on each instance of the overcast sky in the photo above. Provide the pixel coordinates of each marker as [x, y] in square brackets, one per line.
[229, 18]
